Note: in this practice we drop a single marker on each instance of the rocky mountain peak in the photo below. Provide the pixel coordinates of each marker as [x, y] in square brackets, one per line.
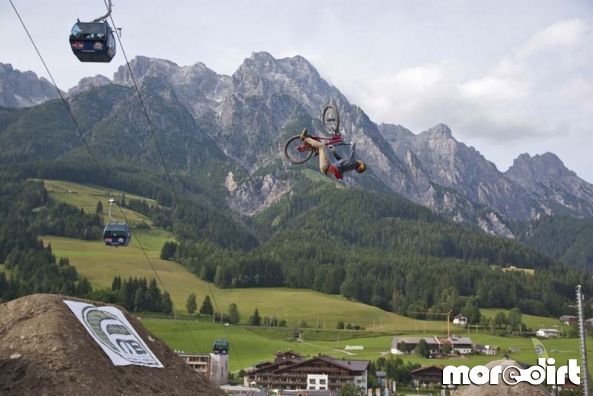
[89, 83]
[546, 175]
[143, 67]
[23, 89]
[439, 131]
[537, 167]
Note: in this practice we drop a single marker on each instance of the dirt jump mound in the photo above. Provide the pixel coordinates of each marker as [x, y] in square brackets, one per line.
[50, 347]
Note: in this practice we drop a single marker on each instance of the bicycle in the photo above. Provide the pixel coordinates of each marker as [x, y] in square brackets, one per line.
[299, 152]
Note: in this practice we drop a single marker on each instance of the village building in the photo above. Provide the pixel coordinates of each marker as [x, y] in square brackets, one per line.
[460, 320]
[404, 345]
[291, 371]
[213, 366]
[489, 350]
[568, 320]
[548, 333]
[428, 375]
[461, 345]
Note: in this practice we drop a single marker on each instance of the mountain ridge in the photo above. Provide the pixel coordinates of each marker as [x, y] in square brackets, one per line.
[249, 115]
[23, 89]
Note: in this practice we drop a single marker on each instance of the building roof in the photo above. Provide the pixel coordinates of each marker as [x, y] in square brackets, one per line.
[461, 340]
[566, 317]
[352, 365]
[412, 340]
[421, 370]
[549, 330]
[283, 365]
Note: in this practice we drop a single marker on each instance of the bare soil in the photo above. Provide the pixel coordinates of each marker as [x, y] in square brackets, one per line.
[45, 350]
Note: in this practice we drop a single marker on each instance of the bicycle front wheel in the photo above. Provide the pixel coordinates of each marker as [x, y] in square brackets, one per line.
[296, 151]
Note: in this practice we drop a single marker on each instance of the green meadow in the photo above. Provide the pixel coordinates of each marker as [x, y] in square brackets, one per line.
[531, 321]
[250, 345]
[100, 264]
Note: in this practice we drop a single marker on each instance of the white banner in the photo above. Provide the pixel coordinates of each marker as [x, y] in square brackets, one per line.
[115, 335]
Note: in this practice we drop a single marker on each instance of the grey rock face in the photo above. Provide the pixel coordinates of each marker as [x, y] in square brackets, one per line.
[251, 113]
[248, 116]
[546, 176]
[23, 89]
[451, 164]
[89, 83]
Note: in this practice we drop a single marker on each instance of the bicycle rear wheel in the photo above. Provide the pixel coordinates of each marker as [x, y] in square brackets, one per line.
[331, 119]
[296, 151]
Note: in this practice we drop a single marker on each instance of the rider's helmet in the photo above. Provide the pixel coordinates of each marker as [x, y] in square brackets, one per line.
[360, 166]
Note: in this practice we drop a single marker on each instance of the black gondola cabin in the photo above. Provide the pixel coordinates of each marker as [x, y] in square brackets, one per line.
[117, 234]
[220, 347]
[92, 41]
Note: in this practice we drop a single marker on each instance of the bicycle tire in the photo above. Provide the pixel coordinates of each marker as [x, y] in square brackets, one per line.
[293, 155]
[331, 119]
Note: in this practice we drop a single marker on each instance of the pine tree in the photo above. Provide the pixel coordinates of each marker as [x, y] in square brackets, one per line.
[139, 300]
[422, 348]
[116, 283]
[191, 304]
[255, 319]
[234, 316]
[166, 303]
[99, 209]
[207, 308]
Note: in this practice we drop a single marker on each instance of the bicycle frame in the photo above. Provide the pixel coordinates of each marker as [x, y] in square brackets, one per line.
[333, 140]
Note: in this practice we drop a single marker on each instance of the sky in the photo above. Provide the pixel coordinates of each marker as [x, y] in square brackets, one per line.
[508, 77]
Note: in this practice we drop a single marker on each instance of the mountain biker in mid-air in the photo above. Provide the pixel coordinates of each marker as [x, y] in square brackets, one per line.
[340, 165]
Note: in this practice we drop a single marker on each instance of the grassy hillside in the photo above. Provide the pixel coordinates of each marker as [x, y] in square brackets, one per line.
[87, 196]
[532, 321]
[251, 345]
[100, 264]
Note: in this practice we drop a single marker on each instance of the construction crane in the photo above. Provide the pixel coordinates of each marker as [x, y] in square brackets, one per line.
[447, 314]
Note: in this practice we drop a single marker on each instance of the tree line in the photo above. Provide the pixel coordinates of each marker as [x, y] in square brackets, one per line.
[136, 294]
[27, 266]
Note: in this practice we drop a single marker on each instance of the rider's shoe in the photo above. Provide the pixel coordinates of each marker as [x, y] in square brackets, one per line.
[304, 134]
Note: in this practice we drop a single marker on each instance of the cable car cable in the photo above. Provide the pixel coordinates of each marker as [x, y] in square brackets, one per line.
[150, 124]
[94, 158]
[152, 130]
[68, 109]
[106, 15]
[81, 135]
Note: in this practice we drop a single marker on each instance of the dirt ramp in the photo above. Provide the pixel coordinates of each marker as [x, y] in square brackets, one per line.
[45, 350]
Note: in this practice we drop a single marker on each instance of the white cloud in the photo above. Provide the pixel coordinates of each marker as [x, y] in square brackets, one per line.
[496, 89]
[567, 33]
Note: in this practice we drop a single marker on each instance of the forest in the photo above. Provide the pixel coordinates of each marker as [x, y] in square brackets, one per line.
[371, 247]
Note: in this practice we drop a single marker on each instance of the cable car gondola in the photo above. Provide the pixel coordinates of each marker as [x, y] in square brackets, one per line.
[117, 234]
[220, 347]
[93, 41]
